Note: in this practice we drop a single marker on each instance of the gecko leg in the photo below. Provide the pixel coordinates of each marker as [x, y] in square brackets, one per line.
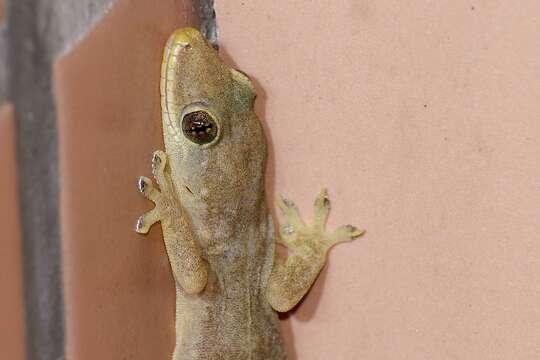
[290, 280]
[148, 219]
[147, 189]
[189, 269]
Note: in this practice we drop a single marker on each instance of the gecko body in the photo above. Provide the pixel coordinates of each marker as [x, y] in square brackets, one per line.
[211, 205]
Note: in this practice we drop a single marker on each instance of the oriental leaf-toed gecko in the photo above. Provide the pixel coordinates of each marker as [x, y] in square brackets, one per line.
[216, 226]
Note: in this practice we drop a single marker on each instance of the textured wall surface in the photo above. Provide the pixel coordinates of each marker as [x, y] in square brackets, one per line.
[34, 32]
[12, 343]
[3, 53]
[33, 35]
[29, 89]
[66, 22]
[422, 118]
[119, 291]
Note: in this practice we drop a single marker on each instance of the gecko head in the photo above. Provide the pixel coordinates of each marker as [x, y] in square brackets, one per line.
[215, 142]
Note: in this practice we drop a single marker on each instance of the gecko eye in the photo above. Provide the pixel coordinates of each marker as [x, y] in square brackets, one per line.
[199, 127]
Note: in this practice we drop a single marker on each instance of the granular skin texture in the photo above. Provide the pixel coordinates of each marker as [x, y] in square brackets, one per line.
[211, 205]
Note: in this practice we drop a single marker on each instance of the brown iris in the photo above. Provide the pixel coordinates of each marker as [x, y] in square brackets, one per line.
[199, 127]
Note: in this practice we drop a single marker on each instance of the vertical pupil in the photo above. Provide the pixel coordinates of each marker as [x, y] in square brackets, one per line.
[199, 127]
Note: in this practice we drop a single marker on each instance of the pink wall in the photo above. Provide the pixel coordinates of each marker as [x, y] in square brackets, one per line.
[118, 287]
[12, 330]
[423, 120]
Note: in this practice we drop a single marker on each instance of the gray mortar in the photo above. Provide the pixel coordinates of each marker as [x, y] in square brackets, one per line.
[37, 31]
[208, 24]
[29, 88]
[3, 65]
[67, 21]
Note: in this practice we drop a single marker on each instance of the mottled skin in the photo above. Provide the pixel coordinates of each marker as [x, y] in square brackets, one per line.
[216, 226]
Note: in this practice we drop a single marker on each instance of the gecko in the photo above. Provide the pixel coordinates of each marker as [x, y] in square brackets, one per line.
[210, 201]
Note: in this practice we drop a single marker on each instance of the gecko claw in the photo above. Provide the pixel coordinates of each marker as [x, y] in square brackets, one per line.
[156, 160]
[141, 184]
[322, 200]
[145, 221]
[345, 233]
[146, 188]
[326, 202]
[354, 231]
[288, 203]
[139, 225]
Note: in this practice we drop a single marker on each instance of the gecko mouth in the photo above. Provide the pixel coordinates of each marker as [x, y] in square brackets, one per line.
[188, 189]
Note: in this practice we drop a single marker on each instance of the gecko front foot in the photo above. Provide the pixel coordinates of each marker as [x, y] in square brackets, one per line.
[189, 269]
[312, 240]
[162, 199]
[291, 279]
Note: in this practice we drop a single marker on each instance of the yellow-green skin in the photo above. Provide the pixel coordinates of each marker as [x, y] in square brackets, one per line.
[216, 226]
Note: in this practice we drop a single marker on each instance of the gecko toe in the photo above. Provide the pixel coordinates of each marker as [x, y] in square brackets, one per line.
[142, 184]
[140, 226]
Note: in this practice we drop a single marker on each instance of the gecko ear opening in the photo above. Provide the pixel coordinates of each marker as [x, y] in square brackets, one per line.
[246, 86]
